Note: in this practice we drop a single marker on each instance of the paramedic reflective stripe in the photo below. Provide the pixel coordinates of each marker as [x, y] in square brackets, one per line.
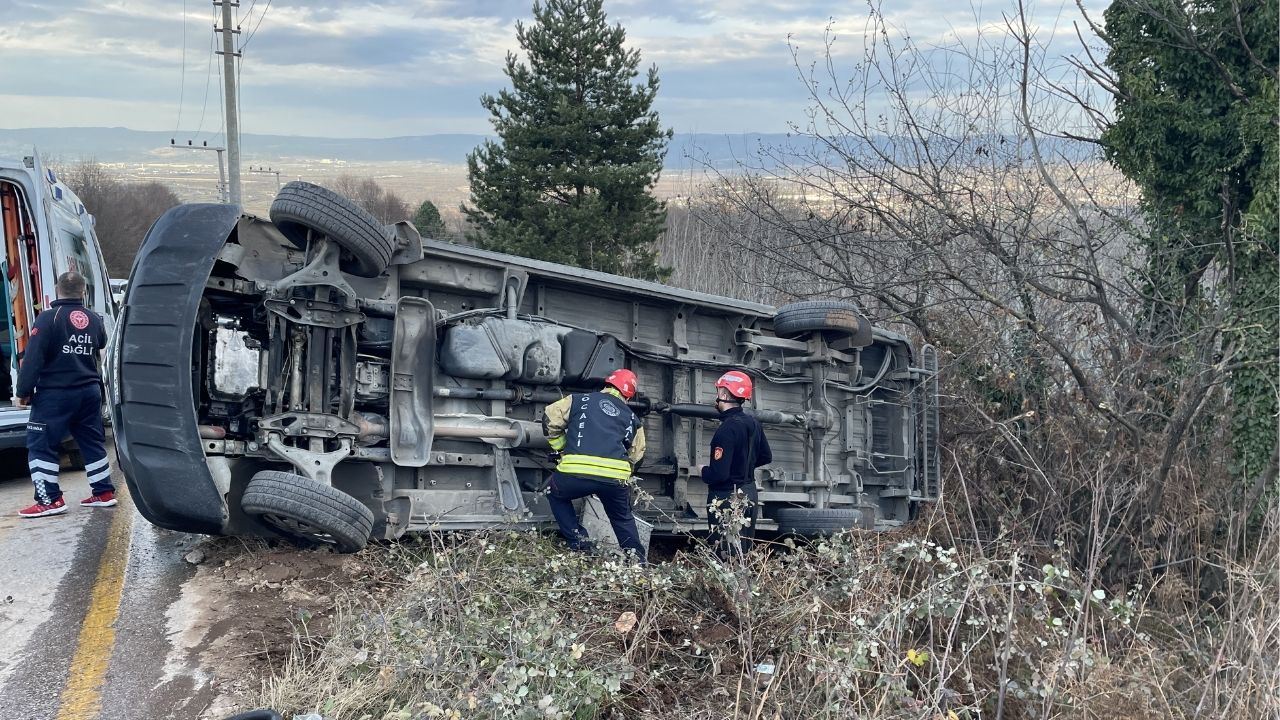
[95, 465]
[556, 443]
[42, 482]
[595, 466]
[37, 465]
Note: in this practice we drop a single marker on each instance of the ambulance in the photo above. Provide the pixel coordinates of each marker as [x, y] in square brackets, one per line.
[46, 231]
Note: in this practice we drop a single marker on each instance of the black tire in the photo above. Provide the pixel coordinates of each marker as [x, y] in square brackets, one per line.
[810, 522]
[305, 509]
[367, 244]
[827, 316]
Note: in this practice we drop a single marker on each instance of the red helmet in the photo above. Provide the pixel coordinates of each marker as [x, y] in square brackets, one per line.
[737, 383]
[624, 380]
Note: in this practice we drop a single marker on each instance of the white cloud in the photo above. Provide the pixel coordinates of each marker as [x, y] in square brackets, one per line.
[412, 66]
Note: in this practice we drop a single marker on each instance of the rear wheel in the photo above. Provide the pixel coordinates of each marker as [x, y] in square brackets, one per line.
[811, 522]
[307, 510]
[367, 245]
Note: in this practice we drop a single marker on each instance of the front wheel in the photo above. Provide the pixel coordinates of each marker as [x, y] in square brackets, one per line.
[307, 510]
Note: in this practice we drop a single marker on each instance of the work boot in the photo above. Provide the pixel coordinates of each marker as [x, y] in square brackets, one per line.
[57, 507]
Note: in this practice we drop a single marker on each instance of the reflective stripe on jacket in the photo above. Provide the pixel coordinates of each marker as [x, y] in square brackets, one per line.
[598, 433]
[595, 466]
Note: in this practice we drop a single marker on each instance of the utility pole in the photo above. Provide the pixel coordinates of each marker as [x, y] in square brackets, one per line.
[229, 56]
[222, 173]
[266, 171]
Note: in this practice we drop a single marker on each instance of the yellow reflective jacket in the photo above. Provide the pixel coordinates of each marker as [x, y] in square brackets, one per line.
[607, 438]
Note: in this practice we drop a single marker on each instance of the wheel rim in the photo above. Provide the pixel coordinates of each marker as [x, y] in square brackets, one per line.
[299, 528]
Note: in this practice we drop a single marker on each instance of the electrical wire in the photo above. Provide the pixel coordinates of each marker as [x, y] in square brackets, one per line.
[222, 108]
[253, 32]
[182, 83]
[239, 66]
[884, 368]
[208, 75]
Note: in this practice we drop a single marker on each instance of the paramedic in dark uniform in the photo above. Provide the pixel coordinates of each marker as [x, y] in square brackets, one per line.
[598, 440]
[60, 381]
[737, 449]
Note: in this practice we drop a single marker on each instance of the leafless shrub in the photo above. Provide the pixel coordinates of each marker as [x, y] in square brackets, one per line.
[385, 205]
[123, 211]
[935, 186]
[505, 625]
[713, 247]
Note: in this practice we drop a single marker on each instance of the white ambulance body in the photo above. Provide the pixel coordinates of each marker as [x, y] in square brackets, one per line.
[45, 231]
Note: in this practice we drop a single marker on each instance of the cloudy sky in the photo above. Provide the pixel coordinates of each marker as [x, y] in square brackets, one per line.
[408, 67]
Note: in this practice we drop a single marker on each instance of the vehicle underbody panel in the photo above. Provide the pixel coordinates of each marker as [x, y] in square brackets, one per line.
[419, 392]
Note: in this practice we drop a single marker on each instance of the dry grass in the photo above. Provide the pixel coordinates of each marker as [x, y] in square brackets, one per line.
[507, 625]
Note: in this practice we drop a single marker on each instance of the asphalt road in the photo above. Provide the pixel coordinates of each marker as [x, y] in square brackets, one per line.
[84, 597]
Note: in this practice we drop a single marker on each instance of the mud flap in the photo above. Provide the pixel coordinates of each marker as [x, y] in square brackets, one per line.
[413, 357]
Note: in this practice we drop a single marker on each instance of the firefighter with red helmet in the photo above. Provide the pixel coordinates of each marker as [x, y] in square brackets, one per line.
[598, 440]
[737, 449]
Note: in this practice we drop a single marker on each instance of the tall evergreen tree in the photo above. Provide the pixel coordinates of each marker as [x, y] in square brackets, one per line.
[428, 221]
[580, 148]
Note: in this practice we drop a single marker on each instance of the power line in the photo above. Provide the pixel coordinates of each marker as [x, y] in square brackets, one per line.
[182, 85]
[239, 76]
[245, 44]
[253, 32]
[222, 100]
[208, 75]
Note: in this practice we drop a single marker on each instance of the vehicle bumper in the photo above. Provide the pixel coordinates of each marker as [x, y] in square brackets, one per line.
[155, 425]
[13, 427]
[11, 438]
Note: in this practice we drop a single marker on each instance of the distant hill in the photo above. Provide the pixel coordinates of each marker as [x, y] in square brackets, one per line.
[686, 150]
[125, 145]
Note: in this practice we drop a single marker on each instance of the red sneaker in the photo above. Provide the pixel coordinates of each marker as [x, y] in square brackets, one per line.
[106, 499]
[57, 507]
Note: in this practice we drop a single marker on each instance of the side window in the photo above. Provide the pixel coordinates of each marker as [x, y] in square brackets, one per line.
[73, 253]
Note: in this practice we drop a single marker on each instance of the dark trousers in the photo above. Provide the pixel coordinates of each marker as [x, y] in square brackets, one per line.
[614, 496]
[718, 511]
[55, 412]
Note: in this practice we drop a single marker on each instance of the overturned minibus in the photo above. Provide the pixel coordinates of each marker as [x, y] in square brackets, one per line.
[321, 376]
